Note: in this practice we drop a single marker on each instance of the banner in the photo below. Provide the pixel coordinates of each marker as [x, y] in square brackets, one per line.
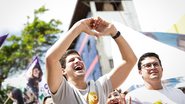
[172, 39]
[2, 39]
[36, 85]
[31, 82]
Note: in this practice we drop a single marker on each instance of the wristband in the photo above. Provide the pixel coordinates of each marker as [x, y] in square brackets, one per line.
[117, 35]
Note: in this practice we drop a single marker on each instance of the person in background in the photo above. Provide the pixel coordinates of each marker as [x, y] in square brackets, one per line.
[31, 92]
[117, 97]
[182, 89]
[181, 86]
[48, 100]
[33, 81]
[72, 88]
[16, 96]
[153, 91]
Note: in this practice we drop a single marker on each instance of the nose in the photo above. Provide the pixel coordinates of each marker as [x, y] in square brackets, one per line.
[152, 66]
[76, 60]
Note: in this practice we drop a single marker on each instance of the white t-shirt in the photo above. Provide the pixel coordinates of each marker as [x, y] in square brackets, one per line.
[68, 94]
[167, 95]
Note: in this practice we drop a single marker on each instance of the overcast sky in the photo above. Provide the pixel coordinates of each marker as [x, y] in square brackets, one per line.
[13, 13]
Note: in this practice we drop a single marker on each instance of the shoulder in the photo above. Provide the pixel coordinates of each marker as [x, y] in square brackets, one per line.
[104, 85]
[137, 90]
[102, 79]
[62, 87]
[174, 90]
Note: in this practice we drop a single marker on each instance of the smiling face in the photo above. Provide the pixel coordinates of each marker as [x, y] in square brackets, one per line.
[37, 73]
[151, 69]
[115, 97]
[75, 68]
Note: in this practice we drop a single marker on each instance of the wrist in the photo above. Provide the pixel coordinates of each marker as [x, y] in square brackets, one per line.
[117, 35]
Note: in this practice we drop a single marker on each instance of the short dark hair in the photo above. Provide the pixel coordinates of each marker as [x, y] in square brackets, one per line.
[67, 53]
[17, 94]
[148, 54]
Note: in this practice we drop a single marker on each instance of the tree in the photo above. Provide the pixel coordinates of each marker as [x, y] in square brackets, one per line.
[34, 40]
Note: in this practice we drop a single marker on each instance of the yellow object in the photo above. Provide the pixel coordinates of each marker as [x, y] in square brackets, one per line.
[158, 102]
[92, 98]
[178, 27]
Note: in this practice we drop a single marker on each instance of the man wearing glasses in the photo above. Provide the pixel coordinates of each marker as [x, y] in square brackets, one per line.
[153, 91]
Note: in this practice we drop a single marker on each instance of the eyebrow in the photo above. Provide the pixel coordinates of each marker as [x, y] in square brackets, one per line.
[149, 62]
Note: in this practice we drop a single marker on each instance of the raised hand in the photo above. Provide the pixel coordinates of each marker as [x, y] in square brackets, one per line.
[103, 27]
[97, 27]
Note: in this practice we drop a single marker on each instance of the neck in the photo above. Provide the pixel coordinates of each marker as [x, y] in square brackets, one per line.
[79, 84]
[153, 86]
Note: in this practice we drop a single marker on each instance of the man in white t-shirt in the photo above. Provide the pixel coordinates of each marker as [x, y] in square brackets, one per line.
[72, 88]
[153, 92]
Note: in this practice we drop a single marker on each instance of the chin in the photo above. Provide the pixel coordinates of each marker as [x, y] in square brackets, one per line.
[154, 77]
[80, 74]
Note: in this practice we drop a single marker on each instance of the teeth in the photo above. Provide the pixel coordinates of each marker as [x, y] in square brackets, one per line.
[78, 67]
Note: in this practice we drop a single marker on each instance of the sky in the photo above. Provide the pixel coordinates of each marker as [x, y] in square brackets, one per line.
[13, 13]
[159, 15]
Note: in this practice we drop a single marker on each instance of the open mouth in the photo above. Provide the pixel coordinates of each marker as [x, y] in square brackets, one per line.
[114, 101]
[78, 67]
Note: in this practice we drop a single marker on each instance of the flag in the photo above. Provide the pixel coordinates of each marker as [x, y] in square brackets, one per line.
[25, 81]
[2, 39]
[33, 74]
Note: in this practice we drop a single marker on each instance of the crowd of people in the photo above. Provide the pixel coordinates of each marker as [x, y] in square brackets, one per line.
[65, 72]
[61, 61]
[72, 67]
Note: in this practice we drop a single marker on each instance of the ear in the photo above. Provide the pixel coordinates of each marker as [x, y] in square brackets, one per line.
[63, 71]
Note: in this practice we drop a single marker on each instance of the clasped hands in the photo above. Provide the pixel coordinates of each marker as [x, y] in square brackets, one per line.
[98, 27]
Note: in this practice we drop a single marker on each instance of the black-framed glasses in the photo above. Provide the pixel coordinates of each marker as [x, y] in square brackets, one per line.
[149, 65]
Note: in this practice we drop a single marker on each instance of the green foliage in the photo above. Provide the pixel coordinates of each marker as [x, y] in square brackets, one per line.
[34, 40]
[4, 96]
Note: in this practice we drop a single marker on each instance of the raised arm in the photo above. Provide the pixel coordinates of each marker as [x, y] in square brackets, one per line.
[121, 72]
[53, 55]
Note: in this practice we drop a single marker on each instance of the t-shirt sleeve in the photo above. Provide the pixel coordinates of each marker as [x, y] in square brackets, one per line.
[105, 83]
[180, 94]
[63, 91]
